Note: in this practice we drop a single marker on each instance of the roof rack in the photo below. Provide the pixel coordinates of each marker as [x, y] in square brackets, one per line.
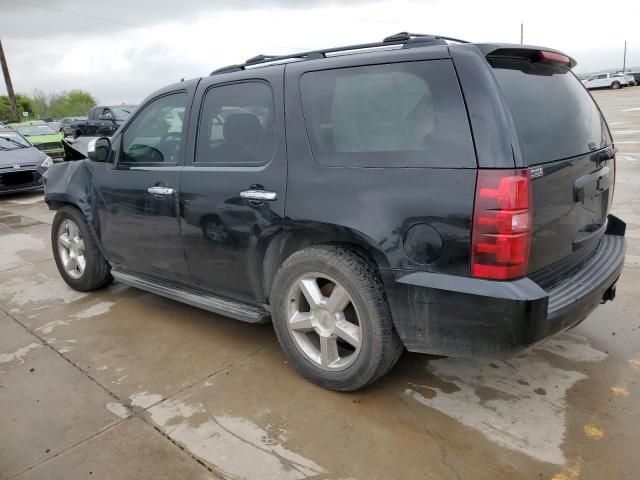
[406, 39]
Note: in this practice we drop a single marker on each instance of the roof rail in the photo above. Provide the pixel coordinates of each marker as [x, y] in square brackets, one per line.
[403, 38]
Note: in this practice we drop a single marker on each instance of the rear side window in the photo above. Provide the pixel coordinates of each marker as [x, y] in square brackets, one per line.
[555, 116]
[236, 125]
[395, 115]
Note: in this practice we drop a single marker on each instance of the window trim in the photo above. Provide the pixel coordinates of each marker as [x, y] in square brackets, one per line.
[132, 118]
[226, 165]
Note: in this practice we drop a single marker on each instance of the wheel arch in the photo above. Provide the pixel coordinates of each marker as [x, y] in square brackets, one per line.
[286, 243]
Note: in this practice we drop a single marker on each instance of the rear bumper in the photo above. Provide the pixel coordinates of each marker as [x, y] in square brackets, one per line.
[461, 316]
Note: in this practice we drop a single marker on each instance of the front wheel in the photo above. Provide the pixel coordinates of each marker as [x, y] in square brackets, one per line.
[332, 319]
[76, 252]
[616, 85]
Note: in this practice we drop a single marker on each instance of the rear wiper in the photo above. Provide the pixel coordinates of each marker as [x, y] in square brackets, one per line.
[604, 155]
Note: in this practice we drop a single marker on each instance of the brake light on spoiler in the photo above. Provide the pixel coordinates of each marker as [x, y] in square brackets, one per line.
[502, 222]
[554, 57]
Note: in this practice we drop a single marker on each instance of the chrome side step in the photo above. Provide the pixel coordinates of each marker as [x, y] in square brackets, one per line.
[212, 303]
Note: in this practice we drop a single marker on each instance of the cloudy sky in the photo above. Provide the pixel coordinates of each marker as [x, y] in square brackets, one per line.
[121, 50]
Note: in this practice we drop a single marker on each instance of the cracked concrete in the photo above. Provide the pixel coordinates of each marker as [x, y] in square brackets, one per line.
[123, 384]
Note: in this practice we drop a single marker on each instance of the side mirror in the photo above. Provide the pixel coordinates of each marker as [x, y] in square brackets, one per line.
[106, 116]
[98, 150]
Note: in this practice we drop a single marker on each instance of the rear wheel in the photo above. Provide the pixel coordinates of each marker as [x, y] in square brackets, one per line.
[332, 319]
[76, 252]
[615, 85]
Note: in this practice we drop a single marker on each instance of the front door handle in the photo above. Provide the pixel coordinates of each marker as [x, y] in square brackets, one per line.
[160, 190]
[259, 195]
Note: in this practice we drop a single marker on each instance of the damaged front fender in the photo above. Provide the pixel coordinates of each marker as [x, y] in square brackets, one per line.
[69, 183]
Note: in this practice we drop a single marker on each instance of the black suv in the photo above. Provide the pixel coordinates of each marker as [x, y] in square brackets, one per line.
[421, 193]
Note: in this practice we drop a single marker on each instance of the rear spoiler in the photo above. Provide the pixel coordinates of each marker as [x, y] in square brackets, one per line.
[530, 52]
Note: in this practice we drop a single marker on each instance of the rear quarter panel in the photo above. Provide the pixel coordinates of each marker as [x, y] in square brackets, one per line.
[378, 205]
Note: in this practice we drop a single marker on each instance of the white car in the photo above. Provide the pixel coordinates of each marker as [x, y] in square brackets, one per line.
[607, 80]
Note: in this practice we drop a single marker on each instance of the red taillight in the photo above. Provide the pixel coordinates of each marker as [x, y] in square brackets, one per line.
[554, 57]
[502, 217]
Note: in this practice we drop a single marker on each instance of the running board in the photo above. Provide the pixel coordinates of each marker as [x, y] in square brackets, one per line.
[212, 303]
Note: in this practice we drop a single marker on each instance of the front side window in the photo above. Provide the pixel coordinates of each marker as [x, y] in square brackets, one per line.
[155, 135]
[236, 125]
[394, 115]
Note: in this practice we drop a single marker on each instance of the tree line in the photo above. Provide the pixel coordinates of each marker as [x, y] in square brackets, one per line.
[72, 103]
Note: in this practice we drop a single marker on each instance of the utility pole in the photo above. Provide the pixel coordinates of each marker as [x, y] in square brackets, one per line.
[7, 81]
[624, 57]
[521, 33]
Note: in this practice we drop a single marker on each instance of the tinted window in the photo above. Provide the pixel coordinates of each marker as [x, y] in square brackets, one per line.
[154, 136]
[236, 125]
[555, 116]
[394, 115]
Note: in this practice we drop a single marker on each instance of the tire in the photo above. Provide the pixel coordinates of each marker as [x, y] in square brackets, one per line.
[616, 85]
[305, 332]
[96, 272]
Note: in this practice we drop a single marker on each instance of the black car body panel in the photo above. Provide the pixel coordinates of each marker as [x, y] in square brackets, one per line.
[413, 218]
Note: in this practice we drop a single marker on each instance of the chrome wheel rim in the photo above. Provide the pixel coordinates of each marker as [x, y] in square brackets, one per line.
[71, 249]
[323, 322]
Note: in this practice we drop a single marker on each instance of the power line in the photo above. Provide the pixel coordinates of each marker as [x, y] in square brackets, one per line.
[76, 14]
[220, 2]
[293, 10]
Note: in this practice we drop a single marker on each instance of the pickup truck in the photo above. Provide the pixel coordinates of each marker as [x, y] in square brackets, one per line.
[102, 121]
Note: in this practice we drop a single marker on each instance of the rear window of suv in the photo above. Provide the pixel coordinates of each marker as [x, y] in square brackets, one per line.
[555, 116]
[407, 114]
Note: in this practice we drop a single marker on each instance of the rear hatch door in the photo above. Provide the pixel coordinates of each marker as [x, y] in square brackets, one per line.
[565, 140]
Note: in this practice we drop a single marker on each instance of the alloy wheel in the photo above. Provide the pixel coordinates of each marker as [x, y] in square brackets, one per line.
[71, 249]
[323, 321]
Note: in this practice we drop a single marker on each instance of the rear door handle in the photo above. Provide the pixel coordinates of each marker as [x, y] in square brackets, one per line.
[160, 190]
[259, 195]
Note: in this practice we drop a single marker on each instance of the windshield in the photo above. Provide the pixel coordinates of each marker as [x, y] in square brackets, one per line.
[566, 123]
[11, 140]
[122, 113]
[28, 130]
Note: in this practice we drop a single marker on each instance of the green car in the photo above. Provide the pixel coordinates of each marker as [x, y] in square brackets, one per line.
[42, 136]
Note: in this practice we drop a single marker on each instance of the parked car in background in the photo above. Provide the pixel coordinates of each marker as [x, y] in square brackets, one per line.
[102, 121]
[606, 80]
[21, 164]
[41, 136]
[636, 77]
[368, 219]
[65, 124]
[631, 81]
